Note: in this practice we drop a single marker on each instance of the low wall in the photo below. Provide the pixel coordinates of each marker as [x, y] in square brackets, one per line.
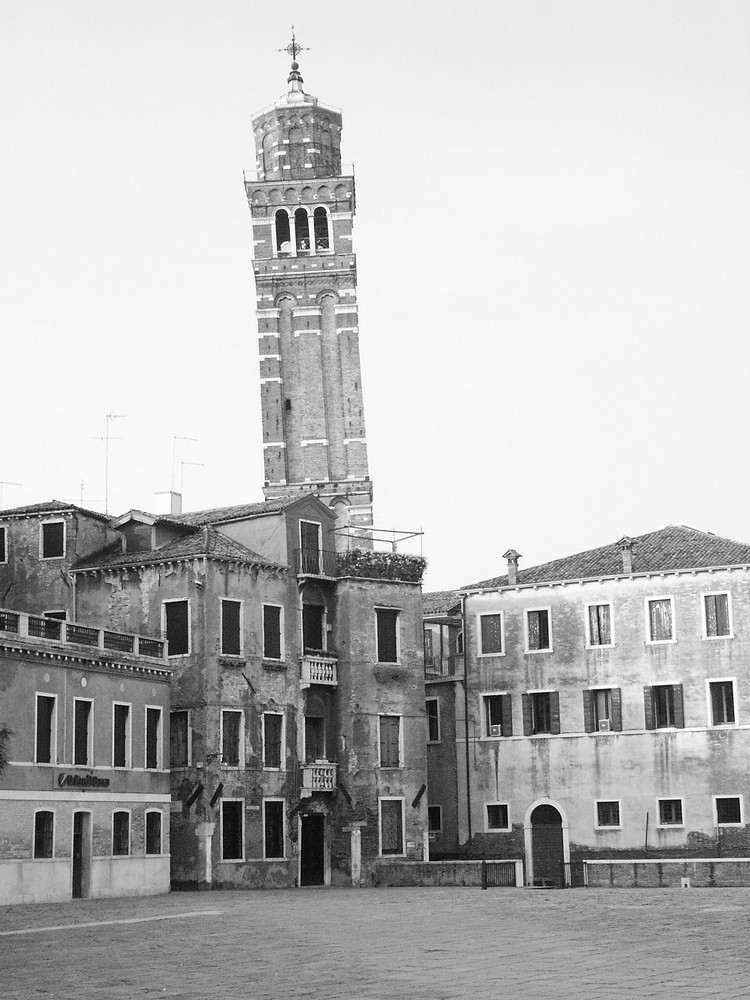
[658, 873]
[436, 873]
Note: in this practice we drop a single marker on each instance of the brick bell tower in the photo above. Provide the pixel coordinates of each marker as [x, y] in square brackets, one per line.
[302, 207]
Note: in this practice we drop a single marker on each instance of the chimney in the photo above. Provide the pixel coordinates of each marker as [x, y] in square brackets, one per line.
[626, 548]
[512, 556]
[167, 502]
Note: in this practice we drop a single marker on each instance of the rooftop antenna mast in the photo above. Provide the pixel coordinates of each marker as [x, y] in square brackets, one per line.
[175, 439]
[106, 439]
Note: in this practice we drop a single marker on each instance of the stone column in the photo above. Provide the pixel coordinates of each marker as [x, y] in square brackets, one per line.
[204, 832]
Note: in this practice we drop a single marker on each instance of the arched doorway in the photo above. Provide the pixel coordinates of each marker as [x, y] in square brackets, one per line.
[547, 855]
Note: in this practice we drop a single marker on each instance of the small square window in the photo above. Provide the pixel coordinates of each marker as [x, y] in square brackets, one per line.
[716, 611]
[52, 541]
[600, 624]
[434, 819]
[722, 703]
[387, 635]
[538, 635]
[660, 620]
[670, 812]
[497, 816]
[728, 810]
[490, 635]
[608, 813]
[432, 709]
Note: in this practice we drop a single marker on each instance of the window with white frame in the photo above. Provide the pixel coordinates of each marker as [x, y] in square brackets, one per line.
[389, 728]
[670, 812]
[497, 715]
[46, 715]
[153, 738]
[52, 540]
[121, 833]
[722, 702]
[176, 626]
[490, 634]
[273, 828]
[273, 646]
[120, 735]
[728, 810]
[231, 627]
[599, 625]
[660, 620]
[391, 811]
[538, 631]
[179, 738]
[273, 734]
[497, 816]
[83, 731]
[608, 813]
[717, 620]
[387, 620]
[663, 705]
[153, 832]
[232, 829]
[44, 833]
[310, 549]
[231, 738]
[602, 710]
[434, 819]
[3, 544]
[432, 712]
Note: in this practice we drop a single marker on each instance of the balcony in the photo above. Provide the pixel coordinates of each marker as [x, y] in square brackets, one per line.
[443, 666]
[319, 776]
[54, 629]
[319, 669]
[315, 562]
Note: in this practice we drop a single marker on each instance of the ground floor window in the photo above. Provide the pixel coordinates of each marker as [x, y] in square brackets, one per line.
[153, 833]
[273, 828]
[44, 825]
[232, 837]
[497, 816]
[392, 826]
[670, 812]
[608, 813]
[434, 819]
[121, 833]
[728, 810]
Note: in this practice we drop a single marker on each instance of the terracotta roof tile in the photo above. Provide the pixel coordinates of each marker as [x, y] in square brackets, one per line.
[52, 507]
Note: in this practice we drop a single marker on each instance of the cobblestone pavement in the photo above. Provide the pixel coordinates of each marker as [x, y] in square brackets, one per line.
[389, 944]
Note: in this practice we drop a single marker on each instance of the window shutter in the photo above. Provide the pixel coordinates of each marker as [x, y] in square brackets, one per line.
[588, 712]
[679, 708]
[648, 707]
[616, 695]
[526, 705]
[507, 715]
[554, 712]
[722, 614]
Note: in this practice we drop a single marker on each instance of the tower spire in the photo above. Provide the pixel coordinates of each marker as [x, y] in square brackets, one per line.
[294, 49]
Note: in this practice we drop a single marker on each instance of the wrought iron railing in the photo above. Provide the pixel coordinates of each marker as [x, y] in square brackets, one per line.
[444, 666]
[315, 562]
[497, 873]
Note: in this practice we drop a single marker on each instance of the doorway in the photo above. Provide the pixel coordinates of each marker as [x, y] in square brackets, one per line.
[547, 847]
[312, 851]
[81, 855]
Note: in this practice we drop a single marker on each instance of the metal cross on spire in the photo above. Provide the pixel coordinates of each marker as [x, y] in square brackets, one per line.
[293, 48]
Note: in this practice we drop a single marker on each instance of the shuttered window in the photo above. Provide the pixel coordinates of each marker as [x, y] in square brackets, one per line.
[45, 714]
[177, 627]
[44, 826]
[498, 715]
[179, 745]
[600, 625]
[717, 615]
[432, 710]
[538, 630]
[121, 736]
[273, 828]
[272, 723]
[541, 713]
[722, 703]
[660, 623]
[663, 706]
[390, 740]
[387, 635]
[81, 732]
[121, 833]
[231, 644]
[271, 632]
[231, 829]
[602, 710]
[231, 726]
[391, 826]
[490, 634]
[153, 833]
[153, 738]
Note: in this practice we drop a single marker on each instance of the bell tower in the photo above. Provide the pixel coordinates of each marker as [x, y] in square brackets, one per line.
[302, 207]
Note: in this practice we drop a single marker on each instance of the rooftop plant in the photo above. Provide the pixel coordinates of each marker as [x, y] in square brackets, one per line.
[380, 565]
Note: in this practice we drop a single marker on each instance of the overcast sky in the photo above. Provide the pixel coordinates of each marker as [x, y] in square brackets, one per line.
[553, 240]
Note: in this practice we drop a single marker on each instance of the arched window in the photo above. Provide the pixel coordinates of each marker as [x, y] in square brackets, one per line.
[302, 227]
[296, 152]
[322, 237]
[283, 234]
[267, 154]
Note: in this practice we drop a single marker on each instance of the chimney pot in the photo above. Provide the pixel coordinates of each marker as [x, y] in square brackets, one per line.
[626, 549]
[512, 556]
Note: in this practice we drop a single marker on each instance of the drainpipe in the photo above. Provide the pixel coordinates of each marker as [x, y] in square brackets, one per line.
[466, 720]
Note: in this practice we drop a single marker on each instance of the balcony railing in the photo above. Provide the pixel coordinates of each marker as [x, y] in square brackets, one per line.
[319, 670]
[444, 666]
[319, 777]
[315, 562]
[38, 627]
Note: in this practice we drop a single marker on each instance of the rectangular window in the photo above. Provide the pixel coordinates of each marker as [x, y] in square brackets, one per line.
[434, 819]
[3, 544]
[663, 706]
[392, 827]
[272, 645]
[660, 620]
[716, 612]
[44, 827]
[231, 635]
[497, 816]
[390, 740]
[153, 738]
[728, 810]
[602, 710]
[537, 630]
[82, 732]
[272, 736]
[608, 814]
[541, 713]
[273, 828]
[490, 634]
[429, 655]
[232, 829]
[52, 540]
[387, 635]
[600, 624]
[121, 833]
[309, 532]
[45, 729]
[120, 735]
[722, 703]
[313, 619]
[176, 626]
[432, 711]
[497, 717]
[179, 738]
[670, 812]
[231, 736]
[153, 832]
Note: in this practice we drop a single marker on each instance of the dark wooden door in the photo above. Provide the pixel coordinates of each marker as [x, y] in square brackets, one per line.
[547, 846]
[77, 855]
[312, 853]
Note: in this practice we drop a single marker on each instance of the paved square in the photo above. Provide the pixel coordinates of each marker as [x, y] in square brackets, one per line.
[389, 944]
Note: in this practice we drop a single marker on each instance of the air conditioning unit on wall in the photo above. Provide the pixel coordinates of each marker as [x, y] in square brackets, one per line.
[496, 731]
[605, 726]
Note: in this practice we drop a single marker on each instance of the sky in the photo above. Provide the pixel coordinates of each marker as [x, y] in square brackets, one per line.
[553, 247]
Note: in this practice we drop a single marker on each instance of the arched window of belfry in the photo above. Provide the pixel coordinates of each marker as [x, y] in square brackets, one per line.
[322, 234]
[283, 234]
[296, 152]
[302, 228]
[268, 163]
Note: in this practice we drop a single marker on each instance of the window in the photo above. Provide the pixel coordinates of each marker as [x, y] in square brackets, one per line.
[670, 812]
[120, 735]
[309, 536]
[432, 711]
[722, 703]
[490, 635]
[153, 738]
[435, 819]
[231, 738]
[45, 729]
[313, 617]
[302, 229]
[232, 830]
[602, 710]
[179, 739]
[3, 544]
[429, 655]
[272, 739]
[44, 827]
[392, 826]
[272, 645]
[82, 732]
[663, 706]
[320, 223]
[61, 616]
[497, 715]
[608, 814]
[283, 233]
[153, 832]
[660, 620]
[390, 740]
[537, 630]
[497, 816]
[121, 833]
[273, 828]
[387, 635]
[231, 634]
[716, 616]
[176, 626]
[728, 810]
[599, 624]
[52, 540]
[541, 713]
